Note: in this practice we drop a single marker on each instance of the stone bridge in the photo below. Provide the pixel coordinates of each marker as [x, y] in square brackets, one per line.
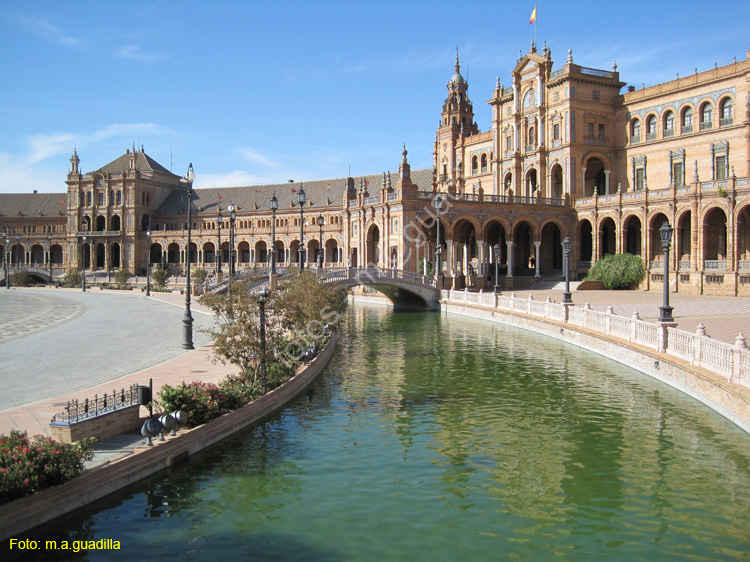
[406, 289]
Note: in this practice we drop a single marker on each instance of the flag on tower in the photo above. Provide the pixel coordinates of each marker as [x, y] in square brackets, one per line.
[533, 16]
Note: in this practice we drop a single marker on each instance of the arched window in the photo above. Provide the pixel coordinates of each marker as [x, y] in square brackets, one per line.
[651, 127]
[706, 116]
[532, 136]
[484, 163]
[687, 120]
[635, 131]
[474, 165]
[726, 112]
[668, 124]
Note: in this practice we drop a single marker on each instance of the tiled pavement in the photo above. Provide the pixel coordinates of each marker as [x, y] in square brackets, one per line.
[57, 345]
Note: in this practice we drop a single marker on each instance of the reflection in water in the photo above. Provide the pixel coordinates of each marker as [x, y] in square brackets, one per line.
[435, 437]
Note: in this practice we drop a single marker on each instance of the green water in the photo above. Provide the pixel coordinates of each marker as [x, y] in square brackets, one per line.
[445, 438]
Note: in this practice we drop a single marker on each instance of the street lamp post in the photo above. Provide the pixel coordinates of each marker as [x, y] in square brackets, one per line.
[232, 217]
[301, 201]
[187, 319]
[274, 208]
[49, 256]
[262, 303]
[665, 311]
[219, 221]
[566, 252]
[438, 204]
[83, 262]
[321, 221]
[497, 268]
[148, 260]
[5, 259]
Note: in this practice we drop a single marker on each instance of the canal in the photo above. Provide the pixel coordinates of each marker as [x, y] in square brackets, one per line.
[435, 437]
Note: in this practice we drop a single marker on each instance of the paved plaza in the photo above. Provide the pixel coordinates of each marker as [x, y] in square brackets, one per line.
[60, 344]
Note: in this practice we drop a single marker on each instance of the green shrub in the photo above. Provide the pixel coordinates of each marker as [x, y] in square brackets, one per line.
[618, 271]
[29, 465]
[72, 278]
[21, 278]
[159, 277]
[121, 279]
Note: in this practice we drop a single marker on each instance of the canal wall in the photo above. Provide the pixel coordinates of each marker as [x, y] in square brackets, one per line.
[729, 399]
[24, 514]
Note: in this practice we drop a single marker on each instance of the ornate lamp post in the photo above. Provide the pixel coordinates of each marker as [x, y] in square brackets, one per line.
[232, 218]
[665, 311]
[49, 256]
[219, 221]
[83, 261]
[5, 259]
[187, 319]
[274, 208]
[301, 201]
[321, 222]
[497, 268]
[262, 303]
[566, 253]
[148, 260]
[438, 204]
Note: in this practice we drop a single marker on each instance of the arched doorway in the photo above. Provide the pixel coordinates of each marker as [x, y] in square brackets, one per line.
[173, 253]
[633, 235]
[595, 180]
[115, 255]
[585, 243]
[56, 253]
[116, 223]
[261, 252]
[209, 253]
[37, 254]
[656, 252]
[101, 223]
[607, 237]
[682, 240]
[465, 240]
[715, 237]
[373, 246]
[531, 183]
[550, 251]
[101, 253]
[557, 182]
[524, 249]
[155, 253]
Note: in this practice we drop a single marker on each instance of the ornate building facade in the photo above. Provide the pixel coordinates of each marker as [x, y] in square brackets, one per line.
[571, 152]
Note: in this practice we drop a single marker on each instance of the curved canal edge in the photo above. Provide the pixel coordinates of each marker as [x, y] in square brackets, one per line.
[27, 513]
[729, 400]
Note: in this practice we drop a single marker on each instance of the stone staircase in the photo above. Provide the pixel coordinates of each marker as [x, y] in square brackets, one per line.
[553, 284]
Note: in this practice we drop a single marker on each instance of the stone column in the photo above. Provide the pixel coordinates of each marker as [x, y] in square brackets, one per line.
[606, 181]
[509, 244]
[537, 244]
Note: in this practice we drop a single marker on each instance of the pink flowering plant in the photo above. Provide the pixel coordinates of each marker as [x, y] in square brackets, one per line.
[28, 465]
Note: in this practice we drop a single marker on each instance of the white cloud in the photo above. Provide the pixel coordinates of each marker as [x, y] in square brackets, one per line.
[133, 52]
[257, 158]
[43, 28]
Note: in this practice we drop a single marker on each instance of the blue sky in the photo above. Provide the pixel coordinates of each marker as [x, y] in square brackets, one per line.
[266, 91]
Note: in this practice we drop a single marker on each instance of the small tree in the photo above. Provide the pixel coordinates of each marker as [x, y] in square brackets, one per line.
[121, 279]
[160, 276]
[199, 276]
[21, 278]
[72, 278]
[308, 304]
[237, 333]
[618, 271]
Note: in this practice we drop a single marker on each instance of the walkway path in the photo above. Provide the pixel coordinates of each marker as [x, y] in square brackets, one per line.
[57, 345]
[723, 317]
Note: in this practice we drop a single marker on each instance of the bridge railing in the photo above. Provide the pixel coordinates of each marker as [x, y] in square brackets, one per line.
[367, 275]
[725, 359]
